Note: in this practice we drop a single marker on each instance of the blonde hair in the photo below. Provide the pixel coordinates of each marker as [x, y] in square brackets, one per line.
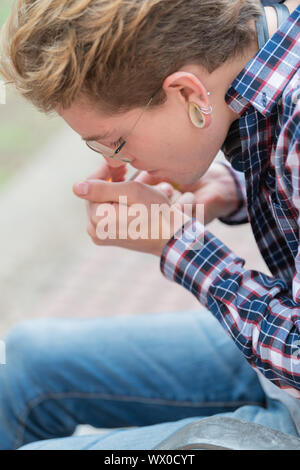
[116, 52]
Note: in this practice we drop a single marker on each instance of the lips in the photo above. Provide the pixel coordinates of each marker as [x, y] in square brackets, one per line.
[144, 169]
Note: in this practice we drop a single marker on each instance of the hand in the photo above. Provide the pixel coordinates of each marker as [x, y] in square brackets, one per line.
[129, 226]
[216, 190]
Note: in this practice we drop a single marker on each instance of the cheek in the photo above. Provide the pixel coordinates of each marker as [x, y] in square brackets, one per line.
[168, 152]
[181, 154]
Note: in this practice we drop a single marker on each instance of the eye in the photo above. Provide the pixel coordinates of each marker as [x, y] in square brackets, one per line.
[117, 143]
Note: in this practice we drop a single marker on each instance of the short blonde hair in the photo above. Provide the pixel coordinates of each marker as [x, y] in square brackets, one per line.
[116, 52]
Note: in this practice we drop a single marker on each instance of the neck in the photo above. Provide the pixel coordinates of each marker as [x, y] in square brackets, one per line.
[220, 80]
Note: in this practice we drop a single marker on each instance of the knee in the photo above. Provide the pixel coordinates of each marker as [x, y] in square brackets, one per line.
[26, 345]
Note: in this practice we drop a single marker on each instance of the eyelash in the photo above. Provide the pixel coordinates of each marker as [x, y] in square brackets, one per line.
[117, 144]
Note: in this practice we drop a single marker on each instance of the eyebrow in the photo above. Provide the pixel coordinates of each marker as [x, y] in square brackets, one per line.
[97, 137]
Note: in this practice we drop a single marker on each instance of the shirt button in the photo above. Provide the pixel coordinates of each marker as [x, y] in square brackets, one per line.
[264, 99]
[237, 164]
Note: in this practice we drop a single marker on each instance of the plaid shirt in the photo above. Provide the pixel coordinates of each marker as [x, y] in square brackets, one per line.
[261, 313]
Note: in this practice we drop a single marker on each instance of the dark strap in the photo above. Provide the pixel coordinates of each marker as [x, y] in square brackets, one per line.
[282, 12]
[262, 29]
[232, 144]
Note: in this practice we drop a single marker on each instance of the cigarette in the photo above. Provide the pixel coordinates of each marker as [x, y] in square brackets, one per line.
[135, 175]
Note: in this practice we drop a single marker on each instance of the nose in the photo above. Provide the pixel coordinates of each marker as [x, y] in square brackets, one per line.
[114, 163]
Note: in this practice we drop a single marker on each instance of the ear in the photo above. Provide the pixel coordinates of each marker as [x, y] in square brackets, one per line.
[189, 86]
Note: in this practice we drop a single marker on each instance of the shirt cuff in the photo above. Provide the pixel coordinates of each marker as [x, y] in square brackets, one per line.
[195, 259]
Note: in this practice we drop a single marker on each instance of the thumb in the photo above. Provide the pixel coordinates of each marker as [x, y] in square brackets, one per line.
[165, 188]
[186, 198]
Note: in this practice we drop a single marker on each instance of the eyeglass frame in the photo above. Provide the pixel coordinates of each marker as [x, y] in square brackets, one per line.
[118, 150]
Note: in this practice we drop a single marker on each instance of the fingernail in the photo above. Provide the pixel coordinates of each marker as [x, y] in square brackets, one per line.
[167, 188]
[82, 188]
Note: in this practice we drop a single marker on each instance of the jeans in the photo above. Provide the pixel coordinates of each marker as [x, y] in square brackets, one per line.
[151, 373]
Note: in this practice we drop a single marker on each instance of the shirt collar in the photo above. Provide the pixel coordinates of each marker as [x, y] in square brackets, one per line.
[263, 79]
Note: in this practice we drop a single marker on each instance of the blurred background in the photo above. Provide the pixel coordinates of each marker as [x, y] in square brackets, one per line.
[49, 267]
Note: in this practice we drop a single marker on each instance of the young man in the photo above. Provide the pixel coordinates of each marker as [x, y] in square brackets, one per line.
[169, 83]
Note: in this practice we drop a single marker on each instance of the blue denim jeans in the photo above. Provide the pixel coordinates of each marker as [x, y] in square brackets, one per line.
[151, 373]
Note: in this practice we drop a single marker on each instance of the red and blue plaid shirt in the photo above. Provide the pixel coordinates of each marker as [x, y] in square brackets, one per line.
[261, 313]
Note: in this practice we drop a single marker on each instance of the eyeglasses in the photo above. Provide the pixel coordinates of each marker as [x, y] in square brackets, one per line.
[111, 153]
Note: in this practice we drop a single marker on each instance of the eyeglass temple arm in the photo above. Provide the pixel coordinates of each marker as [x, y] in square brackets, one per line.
[131, 130]
[149, 102]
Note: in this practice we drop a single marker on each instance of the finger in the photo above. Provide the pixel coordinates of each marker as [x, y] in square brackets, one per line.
[88, 205]
[93, 234]
[110, 174]
[101, 191]
[185, 199]
[105, 172]
[117, 174]
[146, 178]
[90, 229]
[165, 188]
[98, 211]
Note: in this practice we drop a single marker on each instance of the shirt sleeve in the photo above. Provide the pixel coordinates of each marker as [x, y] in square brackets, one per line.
[240, 215]
[259, 312]
[255, 309]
